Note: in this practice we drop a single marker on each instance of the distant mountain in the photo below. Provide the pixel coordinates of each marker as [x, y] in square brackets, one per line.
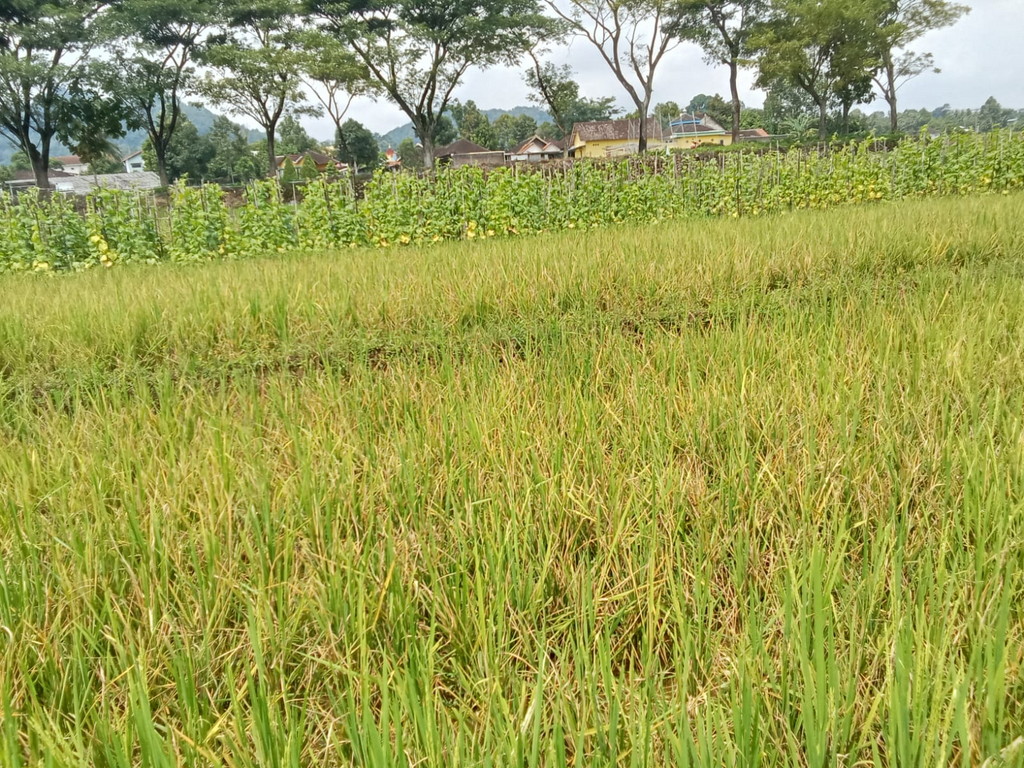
[395, 136]
[200, 117]
[132, 141]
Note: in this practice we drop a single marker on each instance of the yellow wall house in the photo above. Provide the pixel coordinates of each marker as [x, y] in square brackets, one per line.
[614, 138]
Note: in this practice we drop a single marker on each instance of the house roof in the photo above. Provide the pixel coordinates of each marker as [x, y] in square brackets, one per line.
[754, 133]
[687, 119]
[538, 144]
[30, 176]
[133, 155]
[68, 160]
[317, 157]
[693, 128]
[611, 130]
[80, 185]
[461, 147]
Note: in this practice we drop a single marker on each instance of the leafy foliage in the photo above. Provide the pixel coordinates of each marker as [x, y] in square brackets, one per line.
[355, 145]
[416, 52]
[186, 153]
[467, 203]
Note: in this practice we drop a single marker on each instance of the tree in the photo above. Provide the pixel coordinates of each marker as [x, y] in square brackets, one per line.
[898, 24]
[98, 152]
[992, 115]
[356, 146]
[722, 28]
[411, 155]
[292, 138]
[416, 52]
[632, 36]
[822, 47]
[784, 102]
[555, 88]
[444, 133]
[158, 40]
[187, 154]
[231, 159]
[720, 110]
[255, 68]
[510, 131]
[332, 74]
[46, 79]
[666, 112]
[472, 124]
[20, 162]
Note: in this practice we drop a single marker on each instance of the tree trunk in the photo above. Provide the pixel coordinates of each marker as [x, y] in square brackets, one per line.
[271, 154]
[846, 119]
[890, 96]
[822, 119]
[40, 167]
[161, 163]
[428, 152]
[735, 92]
[641, 144]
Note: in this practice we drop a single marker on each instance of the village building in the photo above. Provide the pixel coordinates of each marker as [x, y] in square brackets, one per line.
[70, 164]
[134, 162]
[85, 183]
[319, 159]
[614, 138]
[690, 131]
[465, 152]
[536, 149]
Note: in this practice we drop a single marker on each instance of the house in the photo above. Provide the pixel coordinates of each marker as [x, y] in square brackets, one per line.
[465, 152]
[754, 134]
[86, 183]
[27, 179]
[691, 130]
[535, 149]
[613, 138]
[71, 164]
[323, 162]
[694, 130]
[134, 163]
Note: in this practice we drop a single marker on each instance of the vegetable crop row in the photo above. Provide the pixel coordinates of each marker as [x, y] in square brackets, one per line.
[50, 233]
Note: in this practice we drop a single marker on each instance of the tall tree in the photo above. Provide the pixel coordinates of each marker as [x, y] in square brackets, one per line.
[292, 138]
[823, 47]
[356, 146]
[332, 73]
[46, 80]
[715, 106]
[722, 28]
[555, 88]
[187, 154]
[512, 130]
[632, 36]
[416, 52]
[157, 43]
[231, 159]
[472, 124]
[256, 68]
[899, 23]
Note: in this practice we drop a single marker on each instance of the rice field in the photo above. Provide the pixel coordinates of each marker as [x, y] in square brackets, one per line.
[707, 493]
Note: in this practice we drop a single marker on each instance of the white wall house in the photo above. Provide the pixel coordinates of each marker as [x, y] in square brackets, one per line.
[71, 164]
[134, 163]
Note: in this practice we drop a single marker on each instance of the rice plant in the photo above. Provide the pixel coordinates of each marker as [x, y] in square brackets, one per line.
[742, 493]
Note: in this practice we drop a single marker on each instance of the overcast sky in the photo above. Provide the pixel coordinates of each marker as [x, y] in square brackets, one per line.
[981, 56]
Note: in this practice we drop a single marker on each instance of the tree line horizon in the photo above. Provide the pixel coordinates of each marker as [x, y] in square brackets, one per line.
[83, 72]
